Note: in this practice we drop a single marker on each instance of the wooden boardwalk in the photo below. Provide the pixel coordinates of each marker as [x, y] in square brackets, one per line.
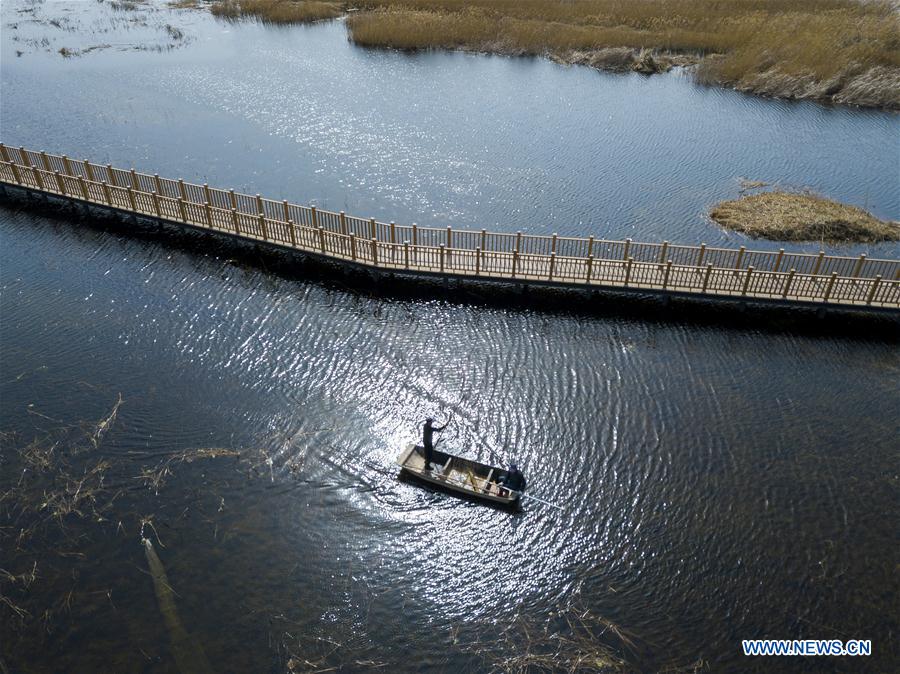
[725, 273]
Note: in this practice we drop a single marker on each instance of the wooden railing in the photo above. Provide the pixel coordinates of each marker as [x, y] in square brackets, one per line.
[775, 275]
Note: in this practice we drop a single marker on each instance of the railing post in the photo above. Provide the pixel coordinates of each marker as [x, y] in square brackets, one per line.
[740, 257]
[625, 251]
[393, 232]
[518, 242]
[875, 285]
[37, 177]
[815, 270]
[590, 268]
[156, 205]
[778, 259]
[207, 197]
[663, 252]
[628, 266]
[666, 274]
[235, 221]
[111, 175]
[321, 238]
[233, 199]
[478, 253]
[156, 180]
[293, 234]
[16, 174]
[68, 166]
[590, 250]
[287, 210]
[262, 226]
[24, 155]
[46, 162]
[89, 170]
[60, 183]
[483, 239]
[373, 227]
[182, 209]
[442, 258]
[415, 241]
[859, 265]
[314, 216]
[449, 247]
[259, 204]
[552, 265]
[553, 243]
[353, 246]
[700, 255]
[787, 283]
[830, 286]
[406, 254]
[107, 193]
[747, 280]
[706, 277]
[182, 191]
[208, 210]
[515, 262]
[83, 186]
[134, 181]
[132, 200]
[343, 223]
[4, 154]
[374, 251]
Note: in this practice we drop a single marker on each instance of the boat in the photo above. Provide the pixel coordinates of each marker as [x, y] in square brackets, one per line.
[457, 475]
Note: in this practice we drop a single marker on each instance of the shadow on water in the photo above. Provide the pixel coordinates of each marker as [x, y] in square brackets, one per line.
[648, 307]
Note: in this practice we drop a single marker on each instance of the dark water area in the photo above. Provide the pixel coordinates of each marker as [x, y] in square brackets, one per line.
[717, 483]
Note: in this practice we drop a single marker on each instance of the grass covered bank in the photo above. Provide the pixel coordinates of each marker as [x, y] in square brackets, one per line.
[842, 51]
[786, 216]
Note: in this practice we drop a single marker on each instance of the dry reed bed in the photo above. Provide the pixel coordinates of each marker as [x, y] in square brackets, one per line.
[786, 216]
[837, 50]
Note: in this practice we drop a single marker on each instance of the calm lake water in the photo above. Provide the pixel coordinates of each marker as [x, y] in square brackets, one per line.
[715, 483]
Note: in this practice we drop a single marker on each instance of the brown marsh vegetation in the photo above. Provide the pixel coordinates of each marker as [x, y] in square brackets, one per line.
[843, 51]
[786, 216]
[278, 11]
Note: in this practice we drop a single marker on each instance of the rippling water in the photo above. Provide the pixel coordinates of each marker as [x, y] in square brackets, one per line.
[716, 483]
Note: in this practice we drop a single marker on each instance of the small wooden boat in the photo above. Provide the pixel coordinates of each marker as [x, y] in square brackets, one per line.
[458, 475]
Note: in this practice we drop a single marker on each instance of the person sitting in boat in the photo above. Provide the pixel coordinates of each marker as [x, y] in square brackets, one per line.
[428, 431]
[512, 479]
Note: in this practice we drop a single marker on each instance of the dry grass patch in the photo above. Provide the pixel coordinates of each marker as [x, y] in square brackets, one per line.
[785, 216]
[278, 11]
[839, 50]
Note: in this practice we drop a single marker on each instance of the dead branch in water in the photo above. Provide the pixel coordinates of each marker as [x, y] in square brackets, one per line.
[105, 424]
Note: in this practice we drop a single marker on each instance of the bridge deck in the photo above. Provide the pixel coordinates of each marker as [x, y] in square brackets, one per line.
[567, 261]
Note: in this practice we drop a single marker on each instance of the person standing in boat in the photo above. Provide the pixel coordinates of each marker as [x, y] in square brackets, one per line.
[513, 479]
[428, 431]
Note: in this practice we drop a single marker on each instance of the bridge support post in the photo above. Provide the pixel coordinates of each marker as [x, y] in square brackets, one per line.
[747, 281]
[262, 226]
[706, 277]
[872, 292]
[778, 260]
[787, 284]
[830, 286]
